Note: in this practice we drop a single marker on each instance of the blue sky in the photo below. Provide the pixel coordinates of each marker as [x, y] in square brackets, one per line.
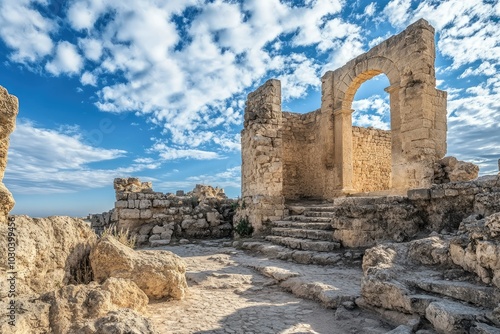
[156, 89]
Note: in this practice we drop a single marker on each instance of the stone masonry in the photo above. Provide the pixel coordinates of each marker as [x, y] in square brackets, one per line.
[319, 155]
[8, 113]
[156, 218]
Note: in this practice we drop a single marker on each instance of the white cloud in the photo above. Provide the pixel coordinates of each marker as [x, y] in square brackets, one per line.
[43, 161]
[485, 68]
[91, 47]
[170, 153]
[398, 12]
[25, 30]
[373, 111]
[88, 79]
[67, 60]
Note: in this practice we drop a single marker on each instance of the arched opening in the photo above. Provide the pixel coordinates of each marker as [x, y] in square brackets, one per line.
[371, 136]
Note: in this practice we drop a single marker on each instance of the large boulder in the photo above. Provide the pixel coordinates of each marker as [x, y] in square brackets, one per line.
[49, 252]
[8, 112]
[158, 273]
[80, 308]
[77, 308]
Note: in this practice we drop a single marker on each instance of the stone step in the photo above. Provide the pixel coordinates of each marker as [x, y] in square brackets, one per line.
[317, 214]
[302, 218]
[476, 294]
[452, 317]
[302, 225]
[340, 256]
[304, 244]
[303, 233]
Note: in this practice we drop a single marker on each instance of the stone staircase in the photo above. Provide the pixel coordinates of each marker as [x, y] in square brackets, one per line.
[309, 228]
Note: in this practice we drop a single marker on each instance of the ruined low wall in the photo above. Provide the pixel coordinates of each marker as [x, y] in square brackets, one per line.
[371, 159]
[366, 221]
[156, 218]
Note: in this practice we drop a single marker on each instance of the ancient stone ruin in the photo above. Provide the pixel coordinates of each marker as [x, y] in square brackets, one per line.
[8, 114]
[374, 224]
[157, 218]
[321, 155]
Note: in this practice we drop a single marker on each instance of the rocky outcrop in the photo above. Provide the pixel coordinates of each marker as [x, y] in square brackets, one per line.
[449, 169]
[439, 278]
[8, 113]
[77, 308]
[477, 247]
[158, 273]
[49, 252]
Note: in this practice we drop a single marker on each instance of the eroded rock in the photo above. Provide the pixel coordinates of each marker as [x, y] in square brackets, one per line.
[158, 273]
[8, 113]
[49, 253]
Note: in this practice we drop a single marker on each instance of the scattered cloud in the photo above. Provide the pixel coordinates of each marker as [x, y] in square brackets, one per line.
[44, 161]
[67, 60]
[373, 111]
[25, 30]
[172, 153]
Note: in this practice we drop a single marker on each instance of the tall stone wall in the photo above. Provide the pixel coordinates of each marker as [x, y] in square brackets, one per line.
[262, 150]
[371, 159]
[8, 114]
[302, 167]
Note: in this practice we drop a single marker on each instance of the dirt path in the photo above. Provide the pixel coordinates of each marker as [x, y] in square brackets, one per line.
[228, 294]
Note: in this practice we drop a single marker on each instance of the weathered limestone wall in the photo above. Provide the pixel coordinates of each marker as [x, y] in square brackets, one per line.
[371, 159]
[320, 155]
[157, 218]
[262, 150]
[8, 112]
[418, 109]
[366, 221]
[302, 166]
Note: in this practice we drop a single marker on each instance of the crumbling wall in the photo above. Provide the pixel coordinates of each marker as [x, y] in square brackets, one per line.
[262, 151]
[371, 159]
[8, 113]
[156, 218]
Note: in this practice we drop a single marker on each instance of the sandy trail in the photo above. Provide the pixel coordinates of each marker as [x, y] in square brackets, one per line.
[228, 295]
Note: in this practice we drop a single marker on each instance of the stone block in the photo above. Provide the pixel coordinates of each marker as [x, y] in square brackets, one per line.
[146, 214]
[161, 203]
[131, 204]
[130, 214]
[121, 204]
[158, 229]
[154, 237]
[450, 192]
[167, 235]
[179, 193]
[144, 204]
[419, 194]
[437, 193]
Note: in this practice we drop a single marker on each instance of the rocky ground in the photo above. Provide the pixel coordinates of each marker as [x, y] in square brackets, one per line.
[231, 291]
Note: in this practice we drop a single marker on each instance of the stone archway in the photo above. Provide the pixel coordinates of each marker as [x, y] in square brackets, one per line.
[418, 109]
[287, 156]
